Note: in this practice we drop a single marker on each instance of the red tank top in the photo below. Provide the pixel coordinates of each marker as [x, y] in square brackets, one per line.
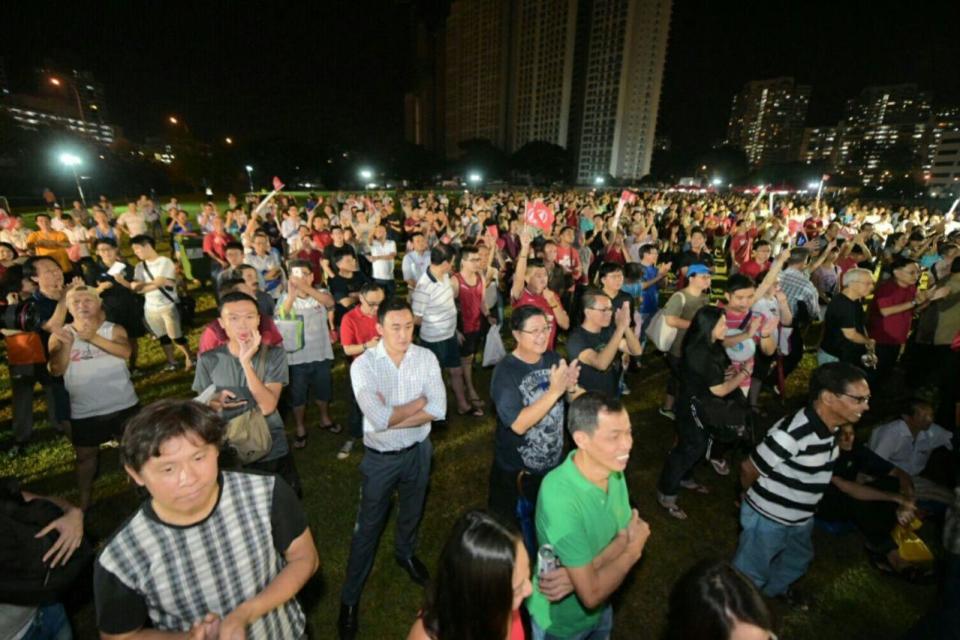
[470, 301]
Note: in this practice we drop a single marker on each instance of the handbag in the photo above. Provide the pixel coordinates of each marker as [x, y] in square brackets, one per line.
[248, 433]
[660, 333]
[725, 419]
[909, 544]
[186, 304]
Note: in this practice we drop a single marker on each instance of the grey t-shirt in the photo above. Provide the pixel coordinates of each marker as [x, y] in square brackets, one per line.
[221, 368]
[684, 306]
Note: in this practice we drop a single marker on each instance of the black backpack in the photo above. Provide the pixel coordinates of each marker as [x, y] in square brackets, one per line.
[25, 579]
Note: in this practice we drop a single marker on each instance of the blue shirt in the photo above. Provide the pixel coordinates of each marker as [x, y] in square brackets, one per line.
[651, 295]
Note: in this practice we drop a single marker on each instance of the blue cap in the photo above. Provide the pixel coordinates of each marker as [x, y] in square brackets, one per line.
[698, 270]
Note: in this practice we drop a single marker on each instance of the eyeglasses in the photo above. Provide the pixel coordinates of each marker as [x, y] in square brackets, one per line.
[857, 399]
[537, 332]
[370, 304]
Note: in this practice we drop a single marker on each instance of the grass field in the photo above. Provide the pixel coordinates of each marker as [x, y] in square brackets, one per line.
[852, 599]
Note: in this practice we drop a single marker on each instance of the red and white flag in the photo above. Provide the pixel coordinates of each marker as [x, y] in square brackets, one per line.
[627, 197]
[277, 184]
[538, 214]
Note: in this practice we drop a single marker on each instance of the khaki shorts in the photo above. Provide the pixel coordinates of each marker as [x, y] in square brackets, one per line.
[164, 321]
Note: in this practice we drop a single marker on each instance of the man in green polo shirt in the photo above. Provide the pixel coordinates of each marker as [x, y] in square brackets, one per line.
[583, 511]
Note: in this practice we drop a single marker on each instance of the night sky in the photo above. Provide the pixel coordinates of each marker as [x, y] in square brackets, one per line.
[336, 71]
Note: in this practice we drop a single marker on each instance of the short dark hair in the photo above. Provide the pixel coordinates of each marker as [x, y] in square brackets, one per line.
[230, 284]
[142, 239]
[440, 253]
[648, 249]
[911, 406]
[607, 268]
[760, 243]
[393, 304]
[697, 230]
[738, 281]
[590, 296]
[834, 377]
[584, 412]
[341, 252]
[164, 420]
[30, 266]
[798, 256]
[107, 241]
[233, 245]
[300, 264]
[520, 315]
[236, 296]
[369, 287]
[9, 246]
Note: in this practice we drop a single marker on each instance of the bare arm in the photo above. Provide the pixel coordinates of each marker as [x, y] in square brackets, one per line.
[748, 473]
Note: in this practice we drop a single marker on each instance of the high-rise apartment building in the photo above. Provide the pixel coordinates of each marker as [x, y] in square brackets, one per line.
[767, 118]
[476, 54]
[621, 50]
[541, 71]
[819, 146]
[882, 134]
[583, 74]
[944, 176]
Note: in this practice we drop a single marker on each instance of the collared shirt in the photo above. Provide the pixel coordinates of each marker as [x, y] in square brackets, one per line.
[374, 373]
[415, 265]
[433, 302]
[797, 287]
[795, 461]
[895, 443]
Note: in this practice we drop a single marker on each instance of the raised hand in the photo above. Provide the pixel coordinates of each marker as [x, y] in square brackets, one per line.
[622, 316]
[558, 377]
[573, 374]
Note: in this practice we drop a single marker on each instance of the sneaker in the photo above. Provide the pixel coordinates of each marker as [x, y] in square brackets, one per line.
[171, 367]
[721, 466]
[345, 450]
[667, 413]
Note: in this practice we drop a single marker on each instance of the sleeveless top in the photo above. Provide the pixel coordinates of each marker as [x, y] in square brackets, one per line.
[98, 382]
[470, 301]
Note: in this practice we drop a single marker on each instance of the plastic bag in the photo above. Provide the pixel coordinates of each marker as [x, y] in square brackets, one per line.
[909, 544]
[493, 351]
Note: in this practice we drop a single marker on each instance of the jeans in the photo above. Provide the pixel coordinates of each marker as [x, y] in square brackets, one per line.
[50, 623]
[771, 554]
[601, 631]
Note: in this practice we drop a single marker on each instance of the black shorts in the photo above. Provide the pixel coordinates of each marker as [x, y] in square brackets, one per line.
[95, 430]
[470, 344]
[447, 352]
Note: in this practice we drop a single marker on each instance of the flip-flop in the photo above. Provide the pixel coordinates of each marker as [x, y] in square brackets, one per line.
[476, 412]
[333, 427]
[300, 442]
[693, 485]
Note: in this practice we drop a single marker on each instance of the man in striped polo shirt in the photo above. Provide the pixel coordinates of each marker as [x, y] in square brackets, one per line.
[785, 478]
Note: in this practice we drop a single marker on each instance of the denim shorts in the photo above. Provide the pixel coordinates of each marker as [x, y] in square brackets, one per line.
[447, 351]
[307, 377]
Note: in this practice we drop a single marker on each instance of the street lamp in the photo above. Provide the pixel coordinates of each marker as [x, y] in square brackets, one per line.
[250, 176]
[173, 120]
[474, 178]
[598, 180]
[76, 94]
[366, 174]
[716, 182]
[228, 140]
[72, 161]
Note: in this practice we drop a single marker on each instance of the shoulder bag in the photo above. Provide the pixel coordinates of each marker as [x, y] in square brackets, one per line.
[248, 433]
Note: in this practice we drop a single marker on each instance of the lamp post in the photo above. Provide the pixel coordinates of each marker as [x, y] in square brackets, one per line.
[475, 178]
[72, 161]
[59, 83]
[250, 176]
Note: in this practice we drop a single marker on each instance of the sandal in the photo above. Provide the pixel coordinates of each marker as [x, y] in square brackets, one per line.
[300, 442]
[333, 427]
[693, 485]
[672, 508]
[474, 411]
[477, 402]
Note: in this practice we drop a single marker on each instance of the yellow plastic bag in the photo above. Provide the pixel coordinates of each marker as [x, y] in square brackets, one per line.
[909, 544]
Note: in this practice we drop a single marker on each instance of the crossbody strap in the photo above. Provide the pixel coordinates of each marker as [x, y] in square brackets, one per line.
[162, 290]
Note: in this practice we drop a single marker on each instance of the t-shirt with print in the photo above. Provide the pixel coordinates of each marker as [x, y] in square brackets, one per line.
[160, 267]
[683, 305]
[316, 330]
[221, 368]
[515, 385]
[591, 379]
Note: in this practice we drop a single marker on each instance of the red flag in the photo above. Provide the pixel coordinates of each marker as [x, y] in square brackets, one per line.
[277, 185]
[538, 214]
[825, 177]
[628, 196]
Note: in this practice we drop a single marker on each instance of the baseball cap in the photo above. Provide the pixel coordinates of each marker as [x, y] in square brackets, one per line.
[698, 270]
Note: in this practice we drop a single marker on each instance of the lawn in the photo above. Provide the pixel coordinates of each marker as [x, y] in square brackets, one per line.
[852, 600]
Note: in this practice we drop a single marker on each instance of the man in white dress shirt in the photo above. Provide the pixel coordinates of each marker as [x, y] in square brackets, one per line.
[400, 391]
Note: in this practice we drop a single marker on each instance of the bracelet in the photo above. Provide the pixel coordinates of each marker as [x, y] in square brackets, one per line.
[765, 336]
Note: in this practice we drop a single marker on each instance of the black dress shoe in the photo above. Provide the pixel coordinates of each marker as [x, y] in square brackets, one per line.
[415, 569]
[348, 624]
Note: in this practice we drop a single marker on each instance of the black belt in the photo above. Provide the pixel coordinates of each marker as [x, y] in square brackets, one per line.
[395, 452]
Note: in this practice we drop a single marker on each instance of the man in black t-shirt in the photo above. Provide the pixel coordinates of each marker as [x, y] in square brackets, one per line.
[844, 326]
[527, 389]
[699, 253]
[329, 259]
[345, 286]
[598, 343]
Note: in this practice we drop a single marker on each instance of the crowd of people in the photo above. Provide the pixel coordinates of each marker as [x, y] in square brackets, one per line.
[409, 290]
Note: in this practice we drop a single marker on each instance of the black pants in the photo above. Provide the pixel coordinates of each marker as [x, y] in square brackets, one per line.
[355, 417]
[504, 491]
[283, 467]
[684, 456]
[875, 519]
[792, 360]
[408, 473]
[887, 356]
